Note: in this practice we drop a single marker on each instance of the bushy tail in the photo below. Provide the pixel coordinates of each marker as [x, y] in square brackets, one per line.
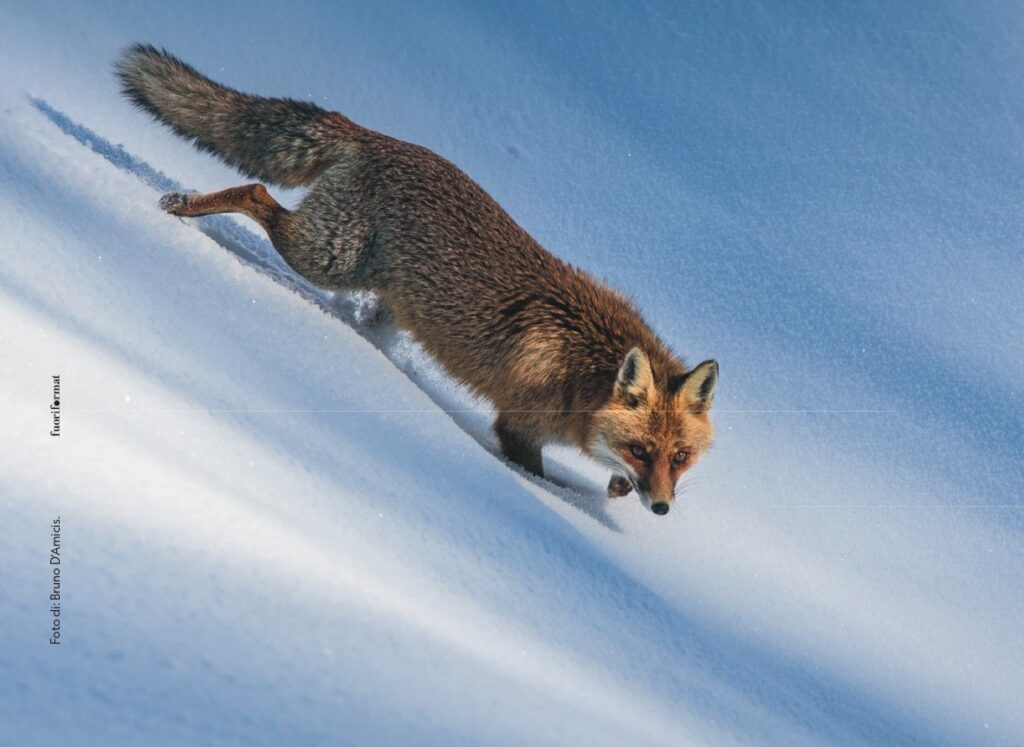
[279, 141]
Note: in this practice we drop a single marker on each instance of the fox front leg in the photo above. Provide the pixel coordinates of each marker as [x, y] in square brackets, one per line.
[517, 446]
[619, 486]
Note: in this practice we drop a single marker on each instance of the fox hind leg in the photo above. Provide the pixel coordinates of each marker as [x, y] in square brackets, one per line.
[285, 228]
[517, 447]
[252, 199]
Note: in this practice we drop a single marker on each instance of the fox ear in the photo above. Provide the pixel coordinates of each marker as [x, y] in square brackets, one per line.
[698, 387]
[634, 382]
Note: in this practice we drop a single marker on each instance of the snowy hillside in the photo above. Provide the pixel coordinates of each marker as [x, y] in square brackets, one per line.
[280, 524]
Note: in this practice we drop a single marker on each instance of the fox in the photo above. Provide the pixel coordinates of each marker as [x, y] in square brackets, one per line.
[562, 357]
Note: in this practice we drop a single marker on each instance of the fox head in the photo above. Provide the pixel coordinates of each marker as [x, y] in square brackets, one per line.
[651, 433]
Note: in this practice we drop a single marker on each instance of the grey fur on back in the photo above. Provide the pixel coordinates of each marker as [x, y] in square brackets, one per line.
[280, 141]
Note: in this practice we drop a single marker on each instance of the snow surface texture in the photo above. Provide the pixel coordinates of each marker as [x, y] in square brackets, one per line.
[281, 524]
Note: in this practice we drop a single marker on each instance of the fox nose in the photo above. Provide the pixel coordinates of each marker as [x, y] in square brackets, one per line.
[660, 508]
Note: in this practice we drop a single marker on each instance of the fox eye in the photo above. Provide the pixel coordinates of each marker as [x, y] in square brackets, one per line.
[680, 456]
[638, 451]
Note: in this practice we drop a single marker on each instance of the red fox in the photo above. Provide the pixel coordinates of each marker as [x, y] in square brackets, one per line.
[563, 357]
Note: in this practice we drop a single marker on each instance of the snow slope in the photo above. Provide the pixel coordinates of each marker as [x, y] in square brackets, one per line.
[281, 524]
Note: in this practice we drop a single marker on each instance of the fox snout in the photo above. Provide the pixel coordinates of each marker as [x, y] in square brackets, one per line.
[657, 497]
[620, 486]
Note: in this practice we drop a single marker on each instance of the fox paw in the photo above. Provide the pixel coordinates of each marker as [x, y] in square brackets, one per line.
[619, 486]
[174, 203]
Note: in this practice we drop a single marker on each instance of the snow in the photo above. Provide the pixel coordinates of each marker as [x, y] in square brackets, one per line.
[282, 524]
